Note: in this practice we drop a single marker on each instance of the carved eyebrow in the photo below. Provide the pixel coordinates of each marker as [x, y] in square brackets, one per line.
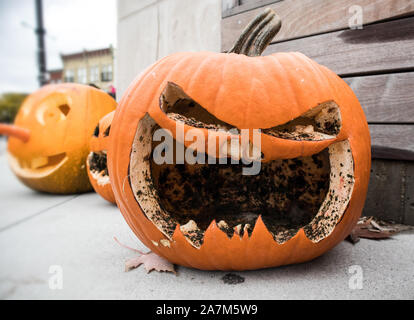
[180, 107]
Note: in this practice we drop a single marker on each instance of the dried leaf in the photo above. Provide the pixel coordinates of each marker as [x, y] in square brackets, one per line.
[150, 260]
[371, 233]
[368, 228]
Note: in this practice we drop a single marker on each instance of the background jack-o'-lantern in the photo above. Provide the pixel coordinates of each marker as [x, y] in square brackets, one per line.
[58, 120]
[96, 162]
[315, 162]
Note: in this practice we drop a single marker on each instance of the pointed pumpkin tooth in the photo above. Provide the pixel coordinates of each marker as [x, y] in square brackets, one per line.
[247, 227]
[237, 229]
[189, 227]
[222, 225]
[38, 162]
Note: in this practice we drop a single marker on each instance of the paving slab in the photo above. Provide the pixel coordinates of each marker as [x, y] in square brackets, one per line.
[19, 203]
[74, 238]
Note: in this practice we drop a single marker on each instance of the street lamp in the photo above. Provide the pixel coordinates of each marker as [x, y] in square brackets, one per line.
[41, 51]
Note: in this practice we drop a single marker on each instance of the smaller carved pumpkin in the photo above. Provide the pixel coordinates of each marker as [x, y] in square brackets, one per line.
[49, 140]
[96, 162]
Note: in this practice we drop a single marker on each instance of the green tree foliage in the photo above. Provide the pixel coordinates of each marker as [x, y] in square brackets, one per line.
[9, 105]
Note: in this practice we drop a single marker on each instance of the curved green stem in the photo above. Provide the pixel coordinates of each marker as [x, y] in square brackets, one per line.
[257, 35]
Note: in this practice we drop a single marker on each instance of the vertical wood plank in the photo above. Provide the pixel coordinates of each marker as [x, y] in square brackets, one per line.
[409, 194]
[386, 191]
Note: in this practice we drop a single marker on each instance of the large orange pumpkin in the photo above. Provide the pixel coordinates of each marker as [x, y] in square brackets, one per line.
[315, 164]
[59, 120]
[96, 162]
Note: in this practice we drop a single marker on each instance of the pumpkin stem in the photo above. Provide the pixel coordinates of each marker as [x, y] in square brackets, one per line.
[258, 33]
[14, 131]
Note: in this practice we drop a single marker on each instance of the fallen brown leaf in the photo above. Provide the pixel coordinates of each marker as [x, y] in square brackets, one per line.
[369, 228]
[150, 260]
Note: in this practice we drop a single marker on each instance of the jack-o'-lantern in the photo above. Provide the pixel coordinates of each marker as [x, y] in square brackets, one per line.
[59, 121]
[96, 162]
[314, 156]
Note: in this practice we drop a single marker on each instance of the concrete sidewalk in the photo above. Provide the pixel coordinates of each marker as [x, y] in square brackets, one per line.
[76, 233]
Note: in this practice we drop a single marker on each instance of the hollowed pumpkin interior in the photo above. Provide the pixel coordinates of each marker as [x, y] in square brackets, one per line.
[97, 163]
[289, 194]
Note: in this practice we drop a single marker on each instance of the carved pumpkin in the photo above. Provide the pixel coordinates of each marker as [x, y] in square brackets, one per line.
[96, 161]
[315, 157]
[59, 120]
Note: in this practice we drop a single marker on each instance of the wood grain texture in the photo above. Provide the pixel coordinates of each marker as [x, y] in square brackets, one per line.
[387, 46]
[390, 190]
[392, 141]
[409, 194]
[386, 98]
[309, 17]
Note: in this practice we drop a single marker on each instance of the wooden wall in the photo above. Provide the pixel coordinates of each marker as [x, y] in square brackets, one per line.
[377, 61]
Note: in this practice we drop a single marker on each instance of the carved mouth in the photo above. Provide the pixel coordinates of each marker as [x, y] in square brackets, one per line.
[289, 194]
[37, 166]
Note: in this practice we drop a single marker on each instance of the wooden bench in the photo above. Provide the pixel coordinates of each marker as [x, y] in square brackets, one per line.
[377, 61]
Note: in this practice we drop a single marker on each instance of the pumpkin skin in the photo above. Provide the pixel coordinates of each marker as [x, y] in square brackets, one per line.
[275, 90]
[99, 145]
[60, 118]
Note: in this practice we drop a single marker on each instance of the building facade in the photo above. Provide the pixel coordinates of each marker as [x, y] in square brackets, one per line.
[95, 67]
[55, 76]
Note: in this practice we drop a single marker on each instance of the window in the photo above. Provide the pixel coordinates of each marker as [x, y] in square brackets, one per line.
[107, 73]
[94, 74]
[69, 76]
[82, 75]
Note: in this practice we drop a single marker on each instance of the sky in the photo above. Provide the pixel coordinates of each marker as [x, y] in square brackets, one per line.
[71, 26]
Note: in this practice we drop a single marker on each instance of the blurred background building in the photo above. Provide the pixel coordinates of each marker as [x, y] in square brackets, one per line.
[55, 76]
[94, 67]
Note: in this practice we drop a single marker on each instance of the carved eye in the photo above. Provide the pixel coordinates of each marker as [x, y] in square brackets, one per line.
[49, 113]
[320, 123]
[96, 131]
[107, 131]
[64, 108]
